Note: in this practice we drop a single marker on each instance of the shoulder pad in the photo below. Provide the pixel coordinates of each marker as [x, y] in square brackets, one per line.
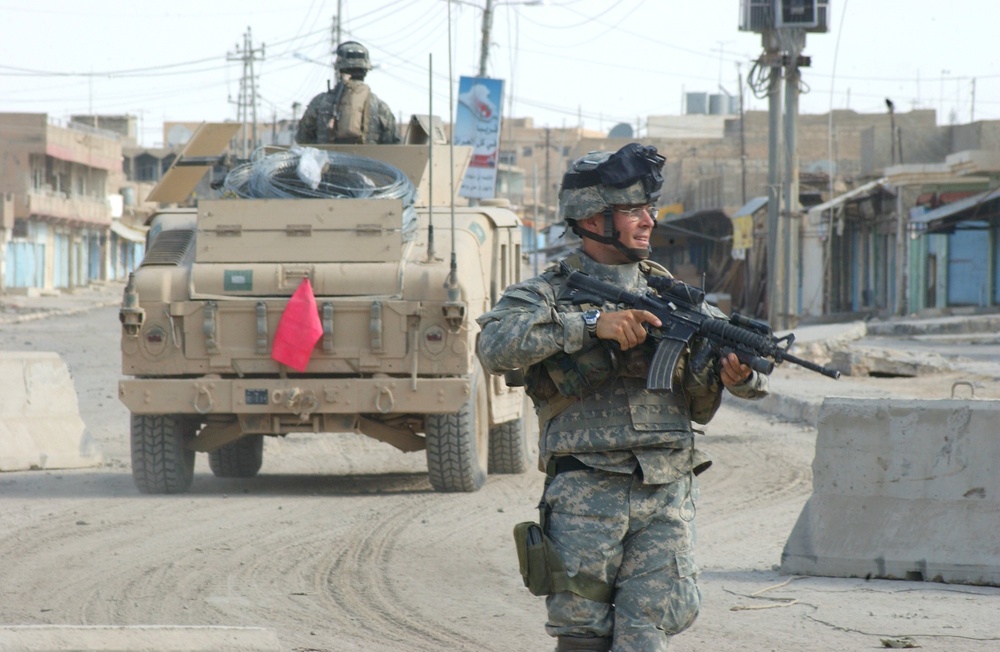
[653, 268]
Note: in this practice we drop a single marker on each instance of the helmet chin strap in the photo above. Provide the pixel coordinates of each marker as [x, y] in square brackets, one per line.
[611, 237]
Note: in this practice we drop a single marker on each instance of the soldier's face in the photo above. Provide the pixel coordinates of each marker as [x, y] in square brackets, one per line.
[635, 224]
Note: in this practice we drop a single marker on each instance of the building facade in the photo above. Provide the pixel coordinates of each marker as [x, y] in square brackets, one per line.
[63, 206]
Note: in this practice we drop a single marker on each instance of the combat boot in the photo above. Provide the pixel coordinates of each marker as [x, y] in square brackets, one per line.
[583, 644]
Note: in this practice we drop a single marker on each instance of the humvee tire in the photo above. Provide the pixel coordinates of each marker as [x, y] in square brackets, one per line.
[161, 464]
[510, 450]
[239, 459]
[458, 444]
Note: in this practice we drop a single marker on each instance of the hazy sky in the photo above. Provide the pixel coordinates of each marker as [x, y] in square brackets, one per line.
[596, 61]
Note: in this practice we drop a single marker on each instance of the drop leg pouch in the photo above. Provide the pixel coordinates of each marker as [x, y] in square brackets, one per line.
[543, 571]
[533, 552]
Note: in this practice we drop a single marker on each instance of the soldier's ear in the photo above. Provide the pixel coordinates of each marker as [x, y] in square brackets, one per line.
[593, 223]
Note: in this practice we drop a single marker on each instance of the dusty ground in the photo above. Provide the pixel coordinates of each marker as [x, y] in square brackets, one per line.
[340, 544]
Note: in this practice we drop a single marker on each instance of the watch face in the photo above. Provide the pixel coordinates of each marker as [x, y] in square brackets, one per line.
[590, 317]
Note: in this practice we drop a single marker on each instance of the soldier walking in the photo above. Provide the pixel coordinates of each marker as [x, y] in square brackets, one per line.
[618, 507]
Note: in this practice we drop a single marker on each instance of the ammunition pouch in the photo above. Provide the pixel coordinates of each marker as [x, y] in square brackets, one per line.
[514, 378]
[635, 361]
[580, 373]
[543, 571]
[557, 382]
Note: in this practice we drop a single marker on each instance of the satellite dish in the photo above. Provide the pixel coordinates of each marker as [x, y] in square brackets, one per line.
[178, 135]
[621, 130]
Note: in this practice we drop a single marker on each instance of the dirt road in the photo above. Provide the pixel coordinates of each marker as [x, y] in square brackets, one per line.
[341, 544]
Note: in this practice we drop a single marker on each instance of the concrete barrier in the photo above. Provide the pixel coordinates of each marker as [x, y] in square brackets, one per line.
[40, 424]
[60, 638]
[902, 489]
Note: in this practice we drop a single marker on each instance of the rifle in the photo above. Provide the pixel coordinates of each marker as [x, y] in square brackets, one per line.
[676, 304]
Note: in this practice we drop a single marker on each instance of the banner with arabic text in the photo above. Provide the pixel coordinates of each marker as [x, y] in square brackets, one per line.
[477, 124]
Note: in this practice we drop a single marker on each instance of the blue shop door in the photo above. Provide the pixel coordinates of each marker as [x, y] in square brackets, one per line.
[25, 265]
[60, 261]
[968, 266]
[94, 257]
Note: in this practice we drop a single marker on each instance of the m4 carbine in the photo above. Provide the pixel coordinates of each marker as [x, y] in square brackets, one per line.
[678, 307]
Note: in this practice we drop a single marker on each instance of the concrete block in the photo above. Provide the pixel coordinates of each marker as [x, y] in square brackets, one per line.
[63, 638]
[40, 424]
[902, 489]
[872, 361]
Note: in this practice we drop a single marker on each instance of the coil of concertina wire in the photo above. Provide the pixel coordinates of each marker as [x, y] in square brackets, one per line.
[348, 176]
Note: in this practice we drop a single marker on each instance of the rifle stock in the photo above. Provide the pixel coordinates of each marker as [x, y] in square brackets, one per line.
[677, 305]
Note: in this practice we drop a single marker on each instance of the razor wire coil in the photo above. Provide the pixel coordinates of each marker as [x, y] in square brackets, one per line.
[346, 176]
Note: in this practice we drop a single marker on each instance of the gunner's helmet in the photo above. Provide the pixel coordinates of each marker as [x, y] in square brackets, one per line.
[351, 55]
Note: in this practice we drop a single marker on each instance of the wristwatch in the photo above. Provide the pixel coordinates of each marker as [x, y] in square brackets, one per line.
[590, 321]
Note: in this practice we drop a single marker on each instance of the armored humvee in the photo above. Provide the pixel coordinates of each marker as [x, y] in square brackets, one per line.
[396, 357]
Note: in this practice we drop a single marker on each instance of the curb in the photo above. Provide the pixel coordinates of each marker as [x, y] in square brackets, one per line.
[46, 314]
[166, 638]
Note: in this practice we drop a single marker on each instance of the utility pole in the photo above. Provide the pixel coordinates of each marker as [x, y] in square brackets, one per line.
[248, 88]
[548, 185]
[775, 250]
[534, 220]
[892, 126]
[337, 26]
[795, 43]
[972, 103]
[484, 48]
[743, 140]
[783, 29]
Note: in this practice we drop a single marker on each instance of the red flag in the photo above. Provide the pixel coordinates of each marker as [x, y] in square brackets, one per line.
[299, 329]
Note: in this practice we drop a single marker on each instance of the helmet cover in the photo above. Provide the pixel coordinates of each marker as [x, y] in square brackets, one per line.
[351, 55]
[598, 180]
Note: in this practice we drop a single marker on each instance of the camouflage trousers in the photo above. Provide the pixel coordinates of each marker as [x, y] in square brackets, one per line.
[639, 538]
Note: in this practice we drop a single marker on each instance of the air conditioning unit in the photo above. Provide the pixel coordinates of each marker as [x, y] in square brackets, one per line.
[796, 13]
[766, 15]
[756, 15]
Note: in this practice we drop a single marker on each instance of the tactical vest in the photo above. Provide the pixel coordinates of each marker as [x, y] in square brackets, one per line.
[595, 389]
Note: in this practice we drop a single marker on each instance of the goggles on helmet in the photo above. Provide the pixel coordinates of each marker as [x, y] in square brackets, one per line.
[631, 164]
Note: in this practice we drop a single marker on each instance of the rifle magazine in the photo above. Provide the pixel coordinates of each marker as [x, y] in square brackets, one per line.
[664, 364]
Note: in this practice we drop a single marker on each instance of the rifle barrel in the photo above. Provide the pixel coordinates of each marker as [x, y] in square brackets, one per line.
[812, 366]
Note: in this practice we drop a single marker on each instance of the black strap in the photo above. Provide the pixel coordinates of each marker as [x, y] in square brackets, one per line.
[567, 463]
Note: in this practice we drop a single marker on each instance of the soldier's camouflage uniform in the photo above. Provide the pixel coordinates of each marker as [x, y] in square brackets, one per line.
[314, 125]
[629, 521]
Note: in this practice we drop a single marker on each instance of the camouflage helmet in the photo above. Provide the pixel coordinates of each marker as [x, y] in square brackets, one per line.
[351, 55]
[599, 180]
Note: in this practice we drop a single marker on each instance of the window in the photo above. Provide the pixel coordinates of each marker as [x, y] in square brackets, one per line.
[508, 157]
[527, 151]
